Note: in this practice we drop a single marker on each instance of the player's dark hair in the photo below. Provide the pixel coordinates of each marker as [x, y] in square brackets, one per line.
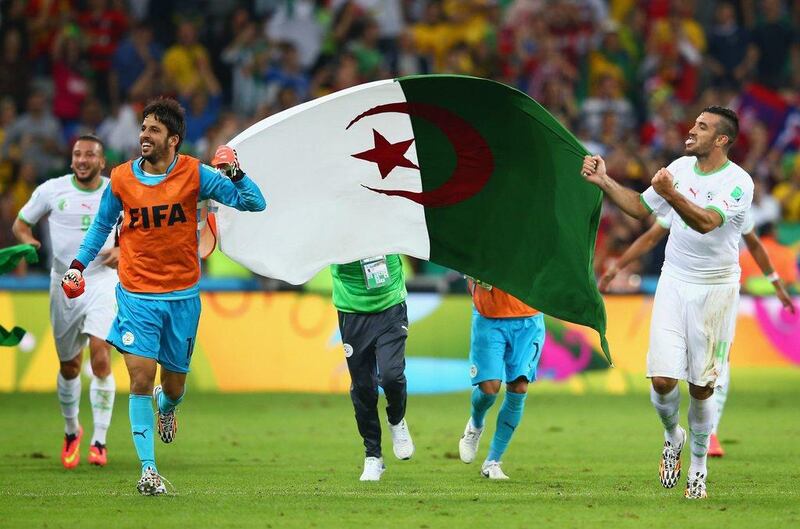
[728, 125]
[91, 137]
[171, 114]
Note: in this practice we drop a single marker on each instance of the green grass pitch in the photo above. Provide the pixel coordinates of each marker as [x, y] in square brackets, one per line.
[277, 460]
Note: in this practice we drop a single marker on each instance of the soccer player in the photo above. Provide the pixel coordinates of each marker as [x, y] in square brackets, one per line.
[696, 301]
[506, 344]
[370, 297]
[649, 239]
[158, 297]
[71, 202]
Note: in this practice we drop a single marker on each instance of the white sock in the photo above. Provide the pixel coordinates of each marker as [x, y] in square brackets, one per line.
[701, 421]
[668, 407]
[101, 395]
[69, 396]
[721, 395]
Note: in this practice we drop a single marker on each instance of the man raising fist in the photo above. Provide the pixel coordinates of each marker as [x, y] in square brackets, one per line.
[694, 313]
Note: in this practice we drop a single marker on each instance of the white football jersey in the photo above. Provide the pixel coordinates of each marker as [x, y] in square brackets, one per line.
[710, 258]
[747, 227]
[71, 211]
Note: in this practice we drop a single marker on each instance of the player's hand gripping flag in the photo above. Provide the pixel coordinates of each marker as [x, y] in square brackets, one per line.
[226, 160]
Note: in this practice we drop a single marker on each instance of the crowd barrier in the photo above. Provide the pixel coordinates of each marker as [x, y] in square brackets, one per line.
[289, 342]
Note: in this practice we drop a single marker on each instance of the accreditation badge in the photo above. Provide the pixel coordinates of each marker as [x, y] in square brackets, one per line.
[376, 271]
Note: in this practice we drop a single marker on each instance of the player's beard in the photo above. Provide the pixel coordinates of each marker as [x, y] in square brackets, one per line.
[698, 150]
[91, 176]
[157, 152]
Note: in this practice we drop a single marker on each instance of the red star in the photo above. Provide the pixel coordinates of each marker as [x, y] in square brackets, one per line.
[387, 155]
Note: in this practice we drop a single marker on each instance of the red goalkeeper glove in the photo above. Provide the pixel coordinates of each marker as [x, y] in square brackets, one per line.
[227, 161]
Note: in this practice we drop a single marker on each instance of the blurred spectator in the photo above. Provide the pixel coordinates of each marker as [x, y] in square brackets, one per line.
[558, 97]
[135, 56]
[70, 83]
[765, 209]
[186, 63]
[247, 55]
[287, 72]
[727, 47]
[371, 61]
[297, 22]
[787, 194]
[607, 99]
[783, 259]
[388, 16]
[35, 138]
[23, 185]
[611, 58]
[548, 64]
[433, 35]
[103, 28]
[120, 133]
[409, 61]
[773, 43]
[8, 114]
[90, 120]
[15, 71]
[44, 20]
[202, 111]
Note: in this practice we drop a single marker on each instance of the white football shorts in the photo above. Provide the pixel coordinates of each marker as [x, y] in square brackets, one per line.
[74, 320]
[691, 330]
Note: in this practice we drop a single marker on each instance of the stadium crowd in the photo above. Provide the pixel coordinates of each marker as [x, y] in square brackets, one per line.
[627, 77]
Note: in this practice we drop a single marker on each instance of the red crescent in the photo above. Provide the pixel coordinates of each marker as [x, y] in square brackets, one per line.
[474, 160]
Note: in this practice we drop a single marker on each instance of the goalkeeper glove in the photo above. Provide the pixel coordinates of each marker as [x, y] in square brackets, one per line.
[73, 282]
[227, 162]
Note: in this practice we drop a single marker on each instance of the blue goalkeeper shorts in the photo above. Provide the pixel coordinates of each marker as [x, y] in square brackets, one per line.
[161, 329]
[505, 348]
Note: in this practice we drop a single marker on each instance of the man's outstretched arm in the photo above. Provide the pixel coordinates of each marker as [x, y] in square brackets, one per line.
[628, 200]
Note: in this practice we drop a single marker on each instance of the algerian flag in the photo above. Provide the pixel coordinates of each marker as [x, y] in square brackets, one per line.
[10, 256]
[11, 338]
[465, 172]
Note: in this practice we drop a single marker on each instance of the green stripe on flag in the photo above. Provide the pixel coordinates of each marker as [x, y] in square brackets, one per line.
[12, 255]
[11, 338]
[535, 221]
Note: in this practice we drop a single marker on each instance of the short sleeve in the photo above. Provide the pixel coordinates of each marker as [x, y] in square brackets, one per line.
[666, 220]
[732, 199]
[37, 206]
[749, 224]
[654, 202]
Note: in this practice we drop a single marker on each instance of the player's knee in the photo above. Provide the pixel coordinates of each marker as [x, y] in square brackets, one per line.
[490, 387]
[101, 366]
[663, 385]
[173, 392]
[71, 368]
[141, 385]
[519, 385]
[393, 379]
[700, 392]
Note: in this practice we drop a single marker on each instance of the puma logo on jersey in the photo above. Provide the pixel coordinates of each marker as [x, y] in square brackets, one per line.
[693, 192]
[87, 206]
[156, 216]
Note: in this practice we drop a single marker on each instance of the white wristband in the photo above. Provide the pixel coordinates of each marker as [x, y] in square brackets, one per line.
[773, 277]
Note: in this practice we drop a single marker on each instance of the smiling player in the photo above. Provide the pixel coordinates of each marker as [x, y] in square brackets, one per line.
[70, 202]
[158, 296]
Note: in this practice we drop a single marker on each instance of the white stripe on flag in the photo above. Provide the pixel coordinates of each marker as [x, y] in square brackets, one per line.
[318, 210]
